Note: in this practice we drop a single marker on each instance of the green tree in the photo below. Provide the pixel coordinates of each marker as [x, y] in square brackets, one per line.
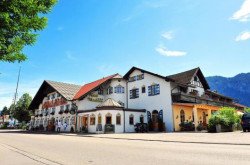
[5, 111]
[247, 110]
[21, 112]
[19, 22]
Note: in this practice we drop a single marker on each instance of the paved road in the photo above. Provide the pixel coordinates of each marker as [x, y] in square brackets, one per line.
[21, 148]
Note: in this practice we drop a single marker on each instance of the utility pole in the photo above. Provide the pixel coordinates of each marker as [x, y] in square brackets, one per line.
[15, 96]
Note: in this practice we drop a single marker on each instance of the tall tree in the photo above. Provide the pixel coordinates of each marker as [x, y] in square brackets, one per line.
[19, 22]
[21, 112]
[5, 111]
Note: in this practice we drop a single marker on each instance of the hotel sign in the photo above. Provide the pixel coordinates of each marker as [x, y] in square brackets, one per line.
[94, 97]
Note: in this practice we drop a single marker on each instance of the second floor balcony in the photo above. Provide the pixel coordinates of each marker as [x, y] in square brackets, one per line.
[182, 97]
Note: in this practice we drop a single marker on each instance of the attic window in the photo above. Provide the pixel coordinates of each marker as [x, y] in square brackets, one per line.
[195, 78]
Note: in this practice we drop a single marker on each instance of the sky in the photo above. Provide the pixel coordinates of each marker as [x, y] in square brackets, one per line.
[87, 40]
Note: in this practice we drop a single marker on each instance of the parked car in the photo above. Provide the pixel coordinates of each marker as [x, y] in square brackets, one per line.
[245, 122]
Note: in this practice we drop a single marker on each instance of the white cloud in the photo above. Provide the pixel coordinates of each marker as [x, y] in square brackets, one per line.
[169, 35]
[243, 14]
[162, 50]
[243, 36]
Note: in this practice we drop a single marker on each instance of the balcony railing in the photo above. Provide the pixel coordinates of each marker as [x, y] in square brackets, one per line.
[189, 98]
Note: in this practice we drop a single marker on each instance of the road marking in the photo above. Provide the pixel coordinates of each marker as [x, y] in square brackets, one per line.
[34, 157]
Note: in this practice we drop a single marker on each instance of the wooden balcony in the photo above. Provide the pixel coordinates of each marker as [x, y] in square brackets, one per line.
[181, 97]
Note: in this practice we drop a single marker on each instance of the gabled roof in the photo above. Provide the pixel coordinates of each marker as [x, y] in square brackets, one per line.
[66, 90]
[186, 77]
[85, 89]
[109, 103]
[126, 76]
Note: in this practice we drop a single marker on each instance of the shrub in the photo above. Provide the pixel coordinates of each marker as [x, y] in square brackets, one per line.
[187, 126]
[5, 125]
[226, 117]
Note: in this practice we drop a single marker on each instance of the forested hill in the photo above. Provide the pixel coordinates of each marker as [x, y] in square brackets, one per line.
[237, 87]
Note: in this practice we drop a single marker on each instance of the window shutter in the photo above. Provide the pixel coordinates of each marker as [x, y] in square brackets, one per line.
[149, 91]
[130, 92]
[158, 89]
[137, 93]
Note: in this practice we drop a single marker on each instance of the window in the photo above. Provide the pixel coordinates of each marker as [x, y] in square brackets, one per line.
[67, 107]
[141, 119]
[108, 118]
[53, 96]
[53, 110]
[110, 90]
[48, 97]
[100, 91]
[195, 78]
[92, 119]
[67, 119]
[135, 78]
[62, 108]
[143, 89]
[99, 119]
[118, 119]
[131, 119]
[58, 95]
[134, 93]
[119, 89]
[182, 116]
[154, 90]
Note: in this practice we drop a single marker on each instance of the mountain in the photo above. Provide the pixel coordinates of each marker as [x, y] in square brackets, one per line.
[237, 87]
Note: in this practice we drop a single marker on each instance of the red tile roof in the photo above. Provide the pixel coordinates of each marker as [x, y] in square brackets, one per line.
[90, 86]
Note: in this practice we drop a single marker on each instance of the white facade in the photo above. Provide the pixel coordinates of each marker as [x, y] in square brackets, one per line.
[161, 101]
[42, 118]
[140, 94]
[93, 99]
[114, 114]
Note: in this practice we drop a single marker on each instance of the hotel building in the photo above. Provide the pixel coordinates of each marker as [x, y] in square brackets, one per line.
[116, 103]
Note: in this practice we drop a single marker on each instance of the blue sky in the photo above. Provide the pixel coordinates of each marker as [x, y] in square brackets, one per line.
[90, 39]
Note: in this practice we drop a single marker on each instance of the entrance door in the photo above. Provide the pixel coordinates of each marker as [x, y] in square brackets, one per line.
[85, 123]
[155, 117]
[204, 119]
